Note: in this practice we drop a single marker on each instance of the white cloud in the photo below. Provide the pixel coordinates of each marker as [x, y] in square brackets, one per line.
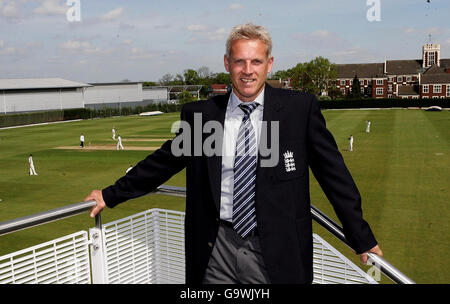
[112, 15]
[236, 6]
[50, 7]
[141, 53]
[79, 46]
[9, 10]
[204, 33]
[196, 27]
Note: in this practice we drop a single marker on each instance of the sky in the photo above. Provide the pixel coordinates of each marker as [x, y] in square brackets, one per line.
[142, 40]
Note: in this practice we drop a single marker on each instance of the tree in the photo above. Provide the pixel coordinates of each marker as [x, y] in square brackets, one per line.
[185, 97]
[315, 76]
[222, 78]
[191, 77]
[281, 74]
[356, 89]
[204, 72]
[166, 79]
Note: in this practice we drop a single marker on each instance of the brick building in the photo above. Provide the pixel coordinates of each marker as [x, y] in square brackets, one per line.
[428, 77]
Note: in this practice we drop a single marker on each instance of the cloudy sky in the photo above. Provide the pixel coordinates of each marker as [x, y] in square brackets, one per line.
[145, 39]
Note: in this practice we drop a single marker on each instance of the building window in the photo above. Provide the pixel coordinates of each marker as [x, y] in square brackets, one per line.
[437, 88]
[399, 79]
[448, 90]
[389, 87]
[415, 97]
[379, 81]
[361, 82]
[425, 97]
[342, 82]
[408, 79]
[435, 97]
[425, 89]
[390, 96]
[343, 91]
[379, 91]
[431, 58]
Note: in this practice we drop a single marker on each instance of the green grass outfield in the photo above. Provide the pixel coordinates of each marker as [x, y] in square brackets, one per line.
[401, 169]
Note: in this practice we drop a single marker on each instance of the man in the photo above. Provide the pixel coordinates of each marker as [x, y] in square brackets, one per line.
[119, 143]
[272, 242]
[114, 133]
[82, 140]
[31, 163]
[368, 126]
[350, 143]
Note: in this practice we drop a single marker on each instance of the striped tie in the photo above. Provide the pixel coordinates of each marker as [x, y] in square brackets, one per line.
[244, 216]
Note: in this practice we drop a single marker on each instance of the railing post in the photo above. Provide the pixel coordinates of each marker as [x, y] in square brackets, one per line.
[98, 267]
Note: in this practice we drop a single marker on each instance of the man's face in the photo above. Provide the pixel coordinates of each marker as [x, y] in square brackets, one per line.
[248, 66]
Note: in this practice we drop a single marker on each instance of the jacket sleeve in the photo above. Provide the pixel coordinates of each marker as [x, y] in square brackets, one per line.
[329, 169]
[146, 176]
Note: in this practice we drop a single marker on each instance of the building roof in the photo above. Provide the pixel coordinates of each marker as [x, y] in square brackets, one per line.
[361, 70]
[407, 90]
[39, 83]
[115, 83]
[403, 67]
[445, 63]
[438, 78]
[434, 69]
[275, 83]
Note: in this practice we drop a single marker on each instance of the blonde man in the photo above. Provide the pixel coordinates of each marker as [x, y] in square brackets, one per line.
[275, 245]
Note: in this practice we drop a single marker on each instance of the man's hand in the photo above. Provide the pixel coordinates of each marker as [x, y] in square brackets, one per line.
[363, 256]
[97, 196]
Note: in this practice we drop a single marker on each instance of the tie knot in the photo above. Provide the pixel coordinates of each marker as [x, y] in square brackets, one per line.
[248, 108]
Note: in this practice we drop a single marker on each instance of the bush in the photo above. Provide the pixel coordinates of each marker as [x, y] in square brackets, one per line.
[382, 103]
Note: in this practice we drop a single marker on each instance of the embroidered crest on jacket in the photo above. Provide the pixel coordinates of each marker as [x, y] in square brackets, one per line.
[289, 162]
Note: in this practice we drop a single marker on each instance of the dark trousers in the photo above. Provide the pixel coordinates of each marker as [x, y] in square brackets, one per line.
[235, 260]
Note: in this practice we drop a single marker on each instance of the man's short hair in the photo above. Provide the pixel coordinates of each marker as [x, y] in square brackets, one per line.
[249, 31]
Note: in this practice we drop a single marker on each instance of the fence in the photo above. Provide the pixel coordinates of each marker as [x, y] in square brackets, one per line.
[147, 247]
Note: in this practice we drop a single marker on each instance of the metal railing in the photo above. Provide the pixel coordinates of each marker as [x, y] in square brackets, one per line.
[56, 214]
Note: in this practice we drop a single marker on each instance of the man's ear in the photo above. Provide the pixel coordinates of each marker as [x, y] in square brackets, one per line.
[270, 64]
[226, 63]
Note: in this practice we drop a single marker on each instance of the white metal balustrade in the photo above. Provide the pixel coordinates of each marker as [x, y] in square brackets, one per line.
[63, 260]
[145, 248]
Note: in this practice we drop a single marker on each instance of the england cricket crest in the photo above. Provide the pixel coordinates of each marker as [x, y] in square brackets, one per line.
[289, 162]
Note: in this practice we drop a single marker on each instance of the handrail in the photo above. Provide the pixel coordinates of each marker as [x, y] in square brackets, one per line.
[388, 269]
[47, 217]
[67, 211]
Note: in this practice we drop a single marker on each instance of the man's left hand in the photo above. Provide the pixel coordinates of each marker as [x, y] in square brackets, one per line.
[363, 256]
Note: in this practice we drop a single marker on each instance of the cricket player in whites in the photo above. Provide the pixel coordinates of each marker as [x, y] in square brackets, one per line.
[119, 143]
[30, 161]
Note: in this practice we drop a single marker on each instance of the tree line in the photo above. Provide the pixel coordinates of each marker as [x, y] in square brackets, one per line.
[316, 76]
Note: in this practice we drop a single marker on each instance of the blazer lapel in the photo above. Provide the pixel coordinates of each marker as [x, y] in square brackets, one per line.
[217, 113]
[272, 107]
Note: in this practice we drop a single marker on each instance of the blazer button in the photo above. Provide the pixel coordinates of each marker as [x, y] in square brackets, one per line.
[210, 244]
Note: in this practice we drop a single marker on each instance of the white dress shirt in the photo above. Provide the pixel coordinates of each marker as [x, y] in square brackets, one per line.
[233, 120]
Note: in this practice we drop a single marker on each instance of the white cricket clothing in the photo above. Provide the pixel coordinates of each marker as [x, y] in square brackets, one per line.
[30, 161]
[119, 143]
[368, 127]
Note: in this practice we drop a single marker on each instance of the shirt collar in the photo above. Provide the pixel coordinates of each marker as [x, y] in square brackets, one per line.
[235, 101]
